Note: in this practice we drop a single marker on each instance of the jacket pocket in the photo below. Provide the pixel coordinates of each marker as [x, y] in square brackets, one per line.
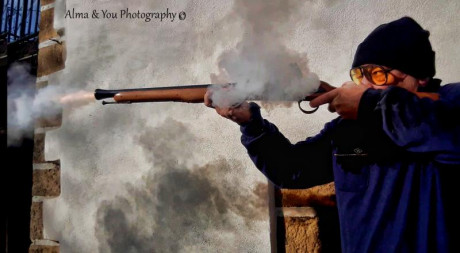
[351, 173]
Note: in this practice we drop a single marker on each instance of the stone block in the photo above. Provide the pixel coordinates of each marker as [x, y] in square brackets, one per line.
[51, 59]
[47, 123]
[51, 122]
[39, 148]
[302, 235]
[322, 195]
[47, 179]
[45, 2]
[36, 220]
[34, 248]
[41, 85]
[47, 30]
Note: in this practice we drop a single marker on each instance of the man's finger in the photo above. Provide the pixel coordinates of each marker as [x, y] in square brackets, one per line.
[222, 111]
[324, 98]
[230, 112]
[207, 99]
[331, 107]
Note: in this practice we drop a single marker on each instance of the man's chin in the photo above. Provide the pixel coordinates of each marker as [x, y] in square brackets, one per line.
[380, 87]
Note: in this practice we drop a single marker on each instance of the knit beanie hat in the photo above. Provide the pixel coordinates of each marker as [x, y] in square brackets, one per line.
[402, 44]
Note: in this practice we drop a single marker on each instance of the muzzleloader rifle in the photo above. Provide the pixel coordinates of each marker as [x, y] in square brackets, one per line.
[195, 94]
[186, 94]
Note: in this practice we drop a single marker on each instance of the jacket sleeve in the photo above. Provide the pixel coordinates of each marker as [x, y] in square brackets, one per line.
[417, 125]
[301, 165]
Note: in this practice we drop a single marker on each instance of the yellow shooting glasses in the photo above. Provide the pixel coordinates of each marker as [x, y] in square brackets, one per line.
[375, 74]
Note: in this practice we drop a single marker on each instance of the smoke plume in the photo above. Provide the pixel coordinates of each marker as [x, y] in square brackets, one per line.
[21, 89]
[180, 207]
[262, 67]
[26, 104]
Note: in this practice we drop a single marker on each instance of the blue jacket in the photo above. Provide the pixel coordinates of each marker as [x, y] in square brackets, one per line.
[394, 168]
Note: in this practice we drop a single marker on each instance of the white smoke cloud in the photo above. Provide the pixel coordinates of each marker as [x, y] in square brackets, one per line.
[26, 104]
[262, 67]
[21, 89]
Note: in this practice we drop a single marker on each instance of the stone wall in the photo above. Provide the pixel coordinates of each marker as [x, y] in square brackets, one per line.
[46, 174]
[307, 220]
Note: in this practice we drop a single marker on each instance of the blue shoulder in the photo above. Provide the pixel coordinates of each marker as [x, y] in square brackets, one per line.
[451, 93]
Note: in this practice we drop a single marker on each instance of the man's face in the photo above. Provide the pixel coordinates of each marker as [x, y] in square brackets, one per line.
[393, 77]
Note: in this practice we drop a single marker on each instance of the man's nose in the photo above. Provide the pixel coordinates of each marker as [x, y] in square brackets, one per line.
[366, 82]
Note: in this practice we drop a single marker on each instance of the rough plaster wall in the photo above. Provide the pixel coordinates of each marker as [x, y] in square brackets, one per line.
[121, 165]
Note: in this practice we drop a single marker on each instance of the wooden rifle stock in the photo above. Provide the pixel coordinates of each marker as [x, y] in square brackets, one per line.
[430, 95]
[188, 94]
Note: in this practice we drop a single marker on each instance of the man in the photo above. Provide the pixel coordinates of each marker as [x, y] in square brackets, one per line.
[391, 153]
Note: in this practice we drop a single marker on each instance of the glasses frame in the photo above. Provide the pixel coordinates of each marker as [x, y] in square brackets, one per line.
[367, 74]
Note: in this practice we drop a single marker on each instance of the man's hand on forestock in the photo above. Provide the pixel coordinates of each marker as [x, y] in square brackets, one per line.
[240, 114]
[343, 100]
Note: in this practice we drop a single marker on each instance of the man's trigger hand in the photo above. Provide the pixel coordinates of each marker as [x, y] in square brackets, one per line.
[343, 100]
[324, 98]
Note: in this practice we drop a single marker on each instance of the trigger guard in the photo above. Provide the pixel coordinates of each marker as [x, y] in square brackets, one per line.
[306, 111]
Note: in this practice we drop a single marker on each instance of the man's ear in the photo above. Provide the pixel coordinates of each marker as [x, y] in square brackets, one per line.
[423, 82]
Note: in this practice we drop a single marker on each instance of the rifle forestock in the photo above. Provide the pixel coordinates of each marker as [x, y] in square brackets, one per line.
[187, 94]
